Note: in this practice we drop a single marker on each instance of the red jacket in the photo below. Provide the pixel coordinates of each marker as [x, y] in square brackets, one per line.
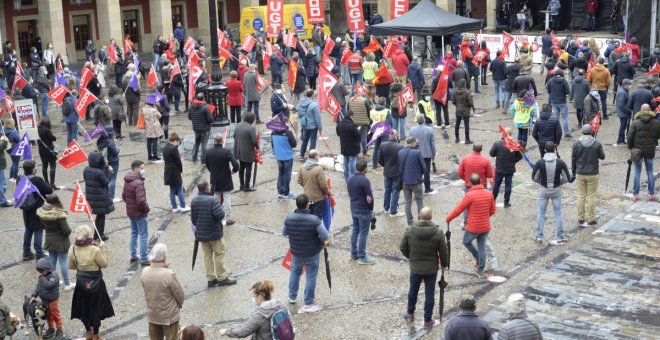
[235, 90]
[135, 196]
[401, 62]
[242, 70]
[592, 6]
[480, 206]
[472, 163]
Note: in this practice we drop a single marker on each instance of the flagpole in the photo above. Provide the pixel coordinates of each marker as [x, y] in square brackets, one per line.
[83, 128]
[89, 214]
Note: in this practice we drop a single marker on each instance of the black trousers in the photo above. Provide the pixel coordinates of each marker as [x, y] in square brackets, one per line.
[235, 115]
[458, 126]
[116, 124]
[44, 171]
[245, 174]
[100, 225]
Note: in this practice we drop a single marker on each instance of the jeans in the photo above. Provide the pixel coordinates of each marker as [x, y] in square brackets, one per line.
[500, 84]
[244, 174]
[3, 187]
[391, 197]
[354, 79]
[284, 176]
[429, 293]
[54, 257]
[563, 109]
[311, 265]
[648, 163]
[374, 157]
[177, 191]
[580, 116]
[38, 235]
[201, 138]
[71, 131]
[603, 103]
[177, 101]
[345, 74]
[591, 21]
[308, 136]
[400, 125]
[364, 132]
[139, 229]
[622, 130]
[152, 148]
[544, 196]
[317, 209]
[113, 178]
[458, 126]
[484, 70]
[508, 179]
[13, 170]
[586, 190]
[522, 134]
[349, 166]
[361, 223]
[427, 175]
[44, 104]
[253, 106]
[476, 83]
[276, 78]
[408, 191]
[523, 24]
[156, 62]
[478, 253]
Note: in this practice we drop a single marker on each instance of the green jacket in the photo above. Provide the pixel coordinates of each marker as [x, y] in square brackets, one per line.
[57, 229]
[644, 133]
[423, 243]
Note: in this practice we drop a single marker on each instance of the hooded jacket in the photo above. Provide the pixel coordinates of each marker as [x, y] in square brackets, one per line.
[258, 323]
[309, 114]
[283, 144]
[505, 159]
[512, 71]
[57, 229]
[311, 64]
[480, 206]
[401, 62]
[586, 153]
[640, 97]
[558, 89]
[600, 76]
[526, 59]
[96, 185]
[206, 215]
[550, 167]
[463, 100]
[547, 129]
[644, 133]
[113, 151]
[422, 244]
[48, 285]
[622, 101]
[200, 115]
[349, 137]
[579, 90]
[522, 82]
[135, 196]
[623, 69]
[591, 106]
[416, 75]
[522, 113]
[312, 178]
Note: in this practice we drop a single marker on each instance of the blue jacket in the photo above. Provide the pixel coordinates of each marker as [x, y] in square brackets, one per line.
[359, 188]
[640, 97]
[547, 45]
[426, 139]
[13, 136]
[498, 68]
[276, 64]
[547, 129]
[558, 89]
[411, 166]
[279, 104]
[283, 144]
[68, 110]
[311, 65]
[113, 150]
[309, 114]
[415, 74]
[179, 34]
[48, 285]
[206, 214]
[467, 325]
[306, 233]
[622, 100]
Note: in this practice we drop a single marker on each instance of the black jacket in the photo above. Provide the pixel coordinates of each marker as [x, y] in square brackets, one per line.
[547, 129]
[173, 167]
[45, 143]
[498, 68]
[349, 137]
[388, 157]
[96, 185]
[505, 159]
[522, 82]
[200, 115]
[512, 71]
[304, 239]
[467, 325]
[640, 97]
[218, 160]
[206, 215]
[586, 153]
[559, 167]
[644, 133]
[623, 69]
[30, 218]
[461, 73]
[558, 90]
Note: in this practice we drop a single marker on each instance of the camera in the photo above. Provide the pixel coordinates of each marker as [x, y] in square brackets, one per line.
[373, 222]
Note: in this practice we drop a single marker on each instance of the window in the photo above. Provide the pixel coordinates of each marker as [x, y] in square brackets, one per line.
[131, 26]
[27, 36]
[177, 16]
[81, 31]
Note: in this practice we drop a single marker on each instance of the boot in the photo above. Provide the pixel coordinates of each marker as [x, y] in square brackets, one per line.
[97, 337]
[89, 335]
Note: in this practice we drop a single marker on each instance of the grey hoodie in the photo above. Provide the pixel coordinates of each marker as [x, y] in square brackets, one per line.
[586, 153]
[550, 159]
[258, 323]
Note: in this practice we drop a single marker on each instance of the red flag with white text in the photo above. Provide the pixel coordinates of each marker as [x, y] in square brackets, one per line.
[333, 107]
[19, 82]
[112, 54]
[83, 101]
[128, 46]
[175, 70]
[9, 103]
[509, 143]
[398, 8]
[326, 82]
[407, 95]
[262, 83]
[355, 16]
[345, 55]
[79, 202]
[329, 45]
[275, 15]
[440, 92]
[268, 52]
[248, 43]
[85, 78]
[390, 48]
[189, 45]
[60, 69]
[72, 156]
[507, 39]
[328, 62]
[57, 94]
[152, 79]
[293, 69]
[315, 12]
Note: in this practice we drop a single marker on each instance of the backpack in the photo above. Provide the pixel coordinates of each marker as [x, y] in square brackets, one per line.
[68, 106]
[280, 325]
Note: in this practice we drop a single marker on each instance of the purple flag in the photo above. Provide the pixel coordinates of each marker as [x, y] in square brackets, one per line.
[277, 124]
[96, 133]
[529, 97]
[136, 61]
[378, 130]
[159, 96]
[23, 189]
[2, 94]
[134, 82]
[60, 80]
[23, 148]
[440, 61]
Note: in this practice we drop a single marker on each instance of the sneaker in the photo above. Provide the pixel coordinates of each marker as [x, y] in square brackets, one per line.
[13, 180]
[248, 189]
[481, 275]
[145, 264]
[398, 214]
[353, 258]
[457, 140]
[28, 257]
[228, 281]
[430, 192]
[212, 283]
[280, 196]
[507, 205]
[49, 334]
[568, 135]
[116, 200]
[104, 238]
[184, 209]
[59, 334]
[301, 159]
[634, 198]
[538, 239]
[291, 195]
[583, 224]
[468, 142]
[70, 286]
[7, 204]
[175, 210]
[229, 221]
[561, 241]
[594, 222]
[430, 324]
[652, 198]
[310, 309]
[409, 317]
[447, 126]
[366, 261]
[292, 301]
[134, 260]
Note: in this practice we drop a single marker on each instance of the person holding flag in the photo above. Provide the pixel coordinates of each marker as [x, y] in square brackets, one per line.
[132, 94]
[283, 143]
[14, 139]
[34, 186]
[4, 145]
[441, 87]
[110, 150]
[97, 192]
[382, 81]
[505, 166]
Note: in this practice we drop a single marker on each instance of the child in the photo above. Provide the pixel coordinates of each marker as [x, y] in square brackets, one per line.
[48, 290]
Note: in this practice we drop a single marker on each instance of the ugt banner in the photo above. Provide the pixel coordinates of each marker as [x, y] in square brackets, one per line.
[315, 12]
[275, 12]
[355, 15]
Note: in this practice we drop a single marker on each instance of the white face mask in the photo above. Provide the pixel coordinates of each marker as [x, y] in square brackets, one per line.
[254, 301]
[278, 91]
[427, 98]
[142, 172]
[106, 101]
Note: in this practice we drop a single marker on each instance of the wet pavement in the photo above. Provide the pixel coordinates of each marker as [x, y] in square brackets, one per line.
[366, 302]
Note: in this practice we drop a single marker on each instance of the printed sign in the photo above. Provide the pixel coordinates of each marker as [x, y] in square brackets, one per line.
[26, 116]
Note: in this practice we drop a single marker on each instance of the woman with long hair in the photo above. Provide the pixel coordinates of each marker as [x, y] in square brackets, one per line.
[47, 151]
[53, 217]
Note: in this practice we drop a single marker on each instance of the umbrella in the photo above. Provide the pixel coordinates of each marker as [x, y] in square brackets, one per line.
[327, 268]
[329, 211]
[441, 299]
[195, 249]
[435, 168]
[628, 176]
[448, 236]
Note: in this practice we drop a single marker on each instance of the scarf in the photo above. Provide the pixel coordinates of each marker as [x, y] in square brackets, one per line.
[85, 242]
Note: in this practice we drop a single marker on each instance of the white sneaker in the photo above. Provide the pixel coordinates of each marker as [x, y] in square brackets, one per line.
[184, 209]
[13, 180]
[116, 200]
[176, 210]
[310, 309]
[70, 286]
[398, 214]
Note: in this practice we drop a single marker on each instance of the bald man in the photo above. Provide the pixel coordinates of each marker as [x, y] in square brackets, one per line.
[422, 244]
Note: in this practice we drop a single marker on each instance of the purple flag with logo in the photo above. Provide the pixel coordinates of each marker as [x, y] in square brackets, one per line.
[159, 96]
[96, 133]
[60, 80]
[23, 189]
[529, 97]
[22, 149]
[440, 61]
[134, 82]
[136, 61]
[378, 130]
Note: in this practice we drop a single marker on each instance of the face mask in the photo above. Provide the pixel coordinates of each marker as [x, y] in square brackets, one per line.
[278, 91]
[106, 101]
[254, 301]
[427, 98]
[142, 172]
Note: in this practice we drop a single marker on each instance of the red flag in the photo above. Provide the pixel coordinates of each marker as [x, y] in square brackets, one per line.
[2, 111]
[326, 82]
[345, 55]
[112, 54]
[268, 52]
[398, 8]
[591, 65]
[507, 39]
[248, 43]
[242, 57]
[315, 12]
[407, 95]
[655, 70]
[262, 83]
[189, 45]
[373, 46]
[303, 47]
[355, 15]
[194, 73]
[329, 45]
[257, 153]
[152, 79]
[83, 101]
[286, 261]
[9, 103]
[224, 45]
[79, 203]
[290, 40]
[359, 89]
[58, 93]
[328, 62]
[595, 123]
[19, 68]
[382, 76]
[87, 75]
[293, 69]
[19, 82]
[333, 107]
[275, 14]
[479, 58]
[390, 48]
[72, 155]
[441, 90]
[175, 70]
[128, 46]
[60, 69]
[509, 143]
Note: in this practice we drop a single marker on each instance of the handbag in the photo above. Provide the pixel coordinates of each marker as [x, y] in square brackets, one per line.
[399, 183]
[140, 122]
[635, 155]
[87, 283]
[55, 150]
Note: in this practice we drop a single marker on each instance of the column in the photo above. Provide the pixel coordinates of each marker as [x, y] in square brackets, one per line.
[108, 14]
[491, 7]
[447, 5]
[51, 24]
[160, 12]
[251, 3]
[203, 23]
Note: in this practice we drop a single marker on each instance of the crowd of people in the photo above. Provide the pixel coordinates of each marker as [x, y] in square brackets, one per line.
[406, 168]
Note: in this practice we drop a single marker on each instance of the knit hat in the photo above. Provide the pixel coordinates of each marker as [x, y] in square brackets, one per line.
[43, 264]
[627, 82]
[515, 304]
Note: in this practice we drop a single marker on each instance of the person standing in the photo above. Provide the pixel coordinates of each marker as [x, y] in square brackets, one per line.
[591, 106]
[311, 62]
[218, 161]
[423, 244]
[132, 97]
[463, 101]
[355, 68]
[4, 146]
[416, 76]
[153, 131]
[362, 207]
[643, 136]
[426, 144]
[361, 107]
[172, 172]
[584, 164]
[53, 216]
[512, 72]
[110, 151]
[558, 89]
[505, 167]
[412, 169]
[498, 69]
[235, 97]
[401, 62]
[48, 290]
[245, 142]
[579, 90]
[283, 142]
[550, 173]
[460, 73]
[97, 192]
[116, 104]
[42, 86]
[279, 103]
[46, 153]
[523, 114]
[180, 36]
[201, 118]
[399, 114]
[349, 141]
[312, 178]
[307, 237]
[137, 210]
[380, 113]
[475, 163]
[623, 111]
[206, 215]
[33, 226]
[547, 129]
[600, 77]
[276, 64]
[642, 95]
[340, 92]
[69, 114]
[163, 294]
[623, 69]
[252, 95]
[310, 121]
[388, 158]
[440, 109]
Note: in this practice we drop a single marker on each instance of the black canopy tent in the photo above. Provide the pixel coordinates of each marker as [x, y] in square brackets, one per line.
[426, 19]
